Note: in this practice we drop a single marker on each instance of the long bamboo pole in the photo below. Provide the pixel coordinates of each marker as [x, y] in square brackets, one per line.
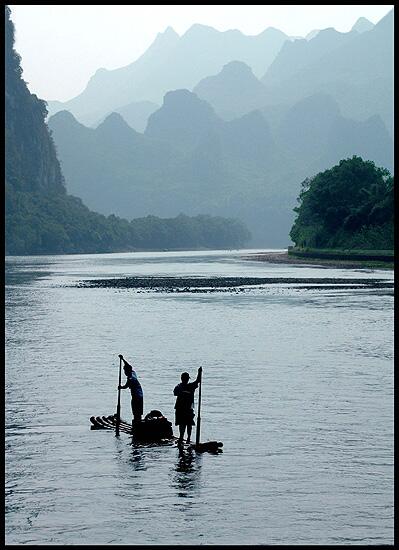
[118, 407]
[197, 435]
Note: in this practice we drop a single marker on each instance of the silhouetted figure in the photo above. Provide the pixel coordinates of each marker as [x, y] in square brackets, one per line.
[184, 406]
[135, 389]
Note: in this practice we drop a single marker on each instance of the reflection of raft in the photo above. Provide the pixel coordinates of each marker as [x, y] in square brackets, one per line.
[154, 428]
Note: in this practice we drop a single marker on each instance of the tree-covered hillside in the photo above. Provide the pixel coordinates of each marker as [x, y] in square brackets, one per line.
[348, 206]
[42, 218]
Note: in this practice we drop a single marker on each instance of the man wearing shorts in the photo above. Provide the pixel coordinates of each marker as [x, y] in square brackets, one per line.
[184, 406]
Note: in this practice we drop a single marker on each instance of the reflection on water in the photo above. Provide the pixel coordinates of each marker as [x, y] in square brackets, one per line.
[298, 384]
[137, 459]
[186, 479]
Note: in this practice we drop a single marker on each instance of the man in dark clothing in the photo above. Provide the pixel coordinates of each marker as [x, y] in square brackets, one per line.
[184, 406]
[135, 390]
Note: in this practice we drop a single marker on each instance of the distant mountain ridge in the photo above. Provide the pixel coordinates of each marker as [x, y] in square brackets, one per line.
[287, 67]
[191, 160]
[298, 54]
[357, 70]
[172, 62]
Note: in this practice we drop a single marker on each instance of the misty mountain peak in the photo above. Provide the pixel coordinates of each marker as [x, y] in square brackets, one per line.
[65, 119]
[327, 34]
[99, 73]
[114, 125]
[65, 116]
[362, 25]
[163, 41]
[99, 76]
[198, 31]
[168, 33]
[272, 32]
[234, 73]
[232, 92]
[312, 34]
[329, 38]
[386, 23]
[184, 100]
[237, 69]
[114, 120]
[182, 119]
[297, 54]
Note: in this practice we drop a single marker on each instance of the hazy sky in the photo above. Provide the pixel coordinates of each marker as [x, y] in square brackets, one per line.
[62, 46]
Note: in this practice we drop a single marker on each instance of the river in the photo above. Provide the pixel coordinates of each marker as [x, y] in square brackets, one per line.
[297, 383]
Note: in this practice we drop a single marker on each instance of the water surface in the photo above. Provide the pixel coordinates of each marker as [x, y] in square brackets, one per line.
[297, 383]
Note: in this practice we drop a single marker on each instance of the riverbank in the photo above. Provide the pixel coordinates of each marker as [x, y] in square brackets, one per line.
[282, 257]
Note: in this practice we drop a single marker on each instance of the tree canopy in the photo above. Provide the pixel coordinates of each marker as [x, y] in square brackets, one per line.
[348, 206]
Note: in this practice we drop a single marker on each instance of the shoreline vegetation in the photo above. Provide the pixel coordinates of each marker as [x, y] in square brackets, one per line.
[346, 212]
[335, 258]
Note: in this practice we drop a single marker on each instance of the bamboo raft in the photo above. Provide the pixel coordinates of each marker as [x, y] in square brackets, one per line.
[150, 432]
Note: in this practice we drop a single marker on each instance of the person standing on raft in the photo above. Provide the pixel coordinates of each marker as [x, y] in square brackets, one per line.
[184, 406]
[136, 390]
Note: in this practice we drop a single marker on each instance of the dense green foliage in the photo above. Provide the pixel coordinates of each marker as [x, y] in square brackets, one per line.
[41, 218]
[62, 224]
[348, 206]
